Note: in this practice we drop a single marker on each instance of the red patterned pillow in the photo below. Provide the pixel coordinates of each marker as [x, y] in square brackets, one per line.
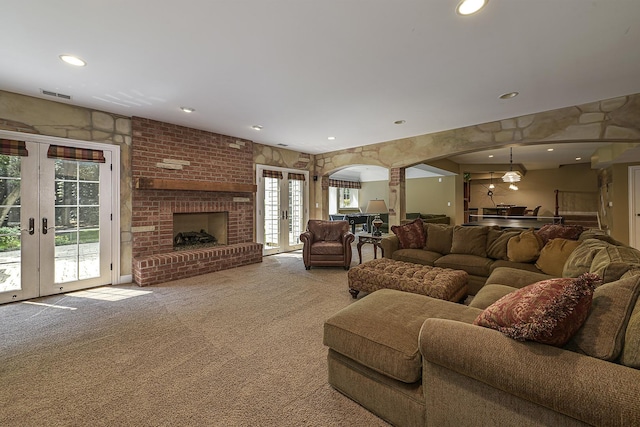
[549, 311]
[411, 235]
[554, 231]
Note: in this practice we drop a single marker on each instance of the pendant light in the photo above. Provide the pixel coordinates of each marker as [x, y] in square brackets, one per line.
[511, 176]
[491, 186]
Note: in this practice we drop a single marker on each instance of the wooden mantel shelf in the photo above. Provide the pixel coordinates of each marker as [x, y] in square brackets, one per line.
[181, 184]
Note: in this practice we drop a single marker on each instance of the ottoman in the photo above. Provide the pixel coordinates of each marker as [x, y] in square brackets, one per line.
[385, 273]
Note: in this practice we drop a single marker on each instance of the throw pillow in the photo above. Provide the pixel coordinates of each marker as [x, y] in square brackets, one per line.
[439, 238]
[549, 311]
[603, 332]
[554, 231]
[471, 240]
[554, 255]
[524, 247]
[497, 243]
[410, 235]
[631, 351]
[613, 261]
[579, 262]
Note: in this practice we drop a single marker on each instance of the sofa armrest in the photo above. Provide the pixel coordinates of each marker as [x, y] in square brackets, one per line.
[389, 245]
[582, 387]
[348, 238]
[306, 237]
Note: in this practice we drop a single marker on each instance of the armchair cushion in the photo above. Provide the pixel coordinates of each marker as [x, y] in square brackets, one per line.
[327, 230]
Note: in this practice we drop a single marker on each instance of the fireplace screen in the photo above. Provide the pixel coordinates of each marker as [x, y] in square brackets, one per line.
[199, 229]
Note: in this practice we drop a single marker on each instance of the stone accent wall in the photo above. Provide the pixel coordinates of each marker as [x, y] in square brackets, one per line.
[166, 151]
[20, 113]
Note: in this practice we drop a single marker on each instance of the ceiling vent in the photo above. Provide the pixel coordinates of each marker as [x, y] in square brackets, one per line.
[55, 94]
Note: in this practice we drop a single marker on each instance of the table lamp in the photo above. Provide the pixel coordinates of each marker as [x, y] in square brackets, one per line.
[376, 207]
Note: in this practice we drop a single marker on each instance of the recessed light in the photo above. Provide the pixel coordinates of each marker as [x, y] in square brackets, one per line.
[469, 7]
[549, 149]
[578, 158]
[256, 127]
[490, 156]
[73, 60]
[331, 138]
[508, 95]
[400, 122]
[188, 109]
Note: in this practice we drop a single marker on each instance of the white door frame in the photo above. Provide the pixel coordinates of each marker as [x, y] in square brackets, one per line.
[115, 183]
[634, 200]
[260, 201]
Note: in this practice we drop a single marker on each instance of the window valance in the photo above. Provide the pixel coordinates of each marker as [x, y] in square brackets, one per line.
[10, 147]
[73, 153]
[344, 184]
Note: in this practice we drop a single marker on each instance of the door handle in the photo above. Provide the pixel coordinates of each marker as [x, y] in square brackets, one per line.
[32, 226]
[44, 225]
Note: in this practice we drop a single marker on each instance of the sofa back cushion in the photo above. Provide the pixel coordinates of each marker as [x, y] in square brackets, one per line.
[524, 247]
[410, 235]
[439, 238]
[603, 332]
[630, 355]
[497, 243]
[612, 262]
[579, 262]
[470, 240]
[554, 254]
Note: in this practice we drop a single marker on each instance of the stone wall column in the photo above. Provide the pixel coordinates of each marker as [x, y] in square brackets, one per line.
[397, 195]
[325, 197]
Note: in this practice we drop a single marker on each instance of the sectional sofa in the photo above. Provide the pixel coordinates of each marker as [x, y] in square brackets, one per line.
[415, 360]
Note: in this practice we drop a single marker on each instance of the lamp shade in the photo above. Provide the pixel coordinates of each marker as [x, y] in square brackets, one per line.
[376, 207]
[511, 176]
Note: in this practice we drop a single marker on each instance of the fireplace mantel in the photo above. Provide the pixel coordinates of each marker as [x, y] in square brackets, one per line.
[181, 184]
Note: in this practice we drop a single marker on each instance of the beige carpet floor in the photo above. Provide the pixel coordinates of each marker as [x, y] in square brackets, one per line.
[240, 347]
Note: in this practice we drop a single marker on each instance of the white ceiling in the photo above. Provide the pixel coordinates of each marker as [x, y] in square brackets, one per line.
[306, 70]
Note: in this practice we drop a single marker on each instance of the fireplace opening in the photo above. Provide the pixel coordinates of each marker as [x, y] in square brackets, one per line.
[197, 230]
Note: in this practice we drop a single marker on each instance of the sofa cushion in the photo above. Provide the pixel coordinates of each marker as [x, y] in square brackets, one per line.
[612, 262]
[525, 247]
[554, 254]
[515, 277]
[410, 235]
[603, 331]
[381, 331]
[472, 264]
[554, 231]
[525, 266]
[417, 256]
[439, 238]
[549, 312]
[497, 243]
[490, 294]
[469, 240]
[579, 262]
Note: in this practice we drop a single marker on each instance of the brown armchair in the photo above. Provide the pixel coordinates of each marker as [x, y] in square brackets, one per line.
[327, 243]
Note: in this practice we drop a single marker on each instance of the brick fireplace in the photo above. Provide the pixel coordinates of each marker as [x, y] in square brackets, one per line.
[178, 170]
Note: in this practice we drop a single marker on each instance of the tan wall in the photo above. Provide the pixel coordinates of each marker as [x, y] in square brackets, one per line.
[538, 188]
[373, 190]
[430, 196]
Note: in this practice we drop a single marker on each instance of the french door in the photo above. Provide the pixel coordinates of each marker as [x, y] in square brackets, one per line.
[56, 223]
[282, 210]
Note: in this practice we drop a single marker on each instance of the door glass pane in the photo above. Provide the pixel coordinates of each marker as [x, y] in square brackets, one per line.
[77, 221]
[271, 212]
[295, 211]
[10, 236]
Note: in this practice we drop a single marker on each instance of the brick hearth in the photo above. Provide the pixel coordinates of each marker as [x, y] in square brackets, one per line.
[197, 159]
